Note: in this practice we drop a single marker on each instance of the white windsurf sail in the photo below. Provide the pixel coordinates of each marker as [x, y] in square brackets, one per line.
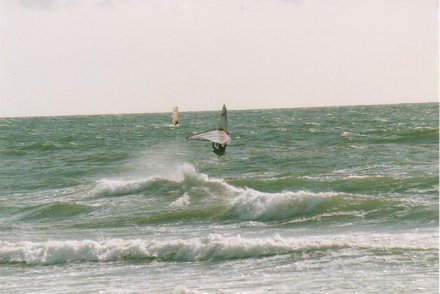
[175, 116]
[215, 136]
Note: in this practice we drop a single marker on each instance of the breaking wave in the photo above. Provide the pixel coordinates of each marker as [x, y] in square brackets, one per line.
[182, 194]
[132, 184]
[184, 173]
[305, 206]
[212, 247]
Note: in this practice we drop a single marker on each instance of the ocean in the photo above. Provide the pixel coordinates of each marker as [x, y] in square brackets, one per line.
[311, 200]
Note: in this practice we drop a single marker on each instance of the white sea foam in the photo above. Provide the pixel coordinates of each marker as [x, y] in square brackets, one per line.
[361, 177]
[179, 172]
[171, 172]
[340, 177]
[252, 204]
[176, 173]
[181, 202]
[120, 186]
[184, 290]
[212, 247]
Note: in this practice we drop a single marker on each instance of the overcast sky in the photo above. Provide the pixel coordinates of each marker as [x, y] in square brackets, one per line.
[62, 57]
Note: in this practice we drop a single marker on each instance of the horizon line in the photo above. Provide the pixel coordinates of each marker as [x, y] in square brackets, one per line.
[213, 110]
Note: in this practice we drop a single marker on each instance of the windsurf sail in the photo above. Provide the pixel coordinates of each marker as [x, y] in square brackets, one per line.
[219, 137]
[215, 136]
[175, 116]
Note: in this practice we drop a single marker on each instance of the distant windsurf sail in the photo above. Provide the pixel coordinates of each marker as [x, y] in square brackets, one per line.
[219, 137]
[175, 116]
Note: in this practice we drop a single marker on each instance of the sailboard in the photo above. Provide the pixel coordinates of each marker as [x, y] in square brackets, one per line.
[175, 116]
[219, 137]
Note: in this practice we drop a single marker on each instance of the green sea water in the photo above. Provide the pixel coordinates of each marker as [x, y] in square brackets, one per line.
[317, 200]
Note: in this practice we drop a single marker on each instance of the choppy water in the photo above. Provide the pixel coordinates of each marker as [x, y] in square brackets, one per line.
[332, 200]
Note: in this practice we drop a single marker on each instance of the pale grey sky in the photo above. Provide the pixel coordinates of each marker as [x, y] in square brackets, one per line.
[62, 57]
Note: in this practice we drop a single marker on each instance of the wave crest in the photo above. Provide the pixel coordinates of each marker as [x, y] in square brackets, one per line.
[303, 206]
[252, 204]
[212, 247]
[174, 174]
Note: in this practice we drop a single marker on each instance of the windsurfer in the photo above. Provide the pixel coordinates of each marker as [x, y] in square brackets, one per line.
[219, 138]
[219, 149]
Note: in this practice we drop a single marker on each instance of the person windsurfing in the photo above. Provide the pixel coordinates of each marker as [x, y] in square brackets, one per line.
[219, 137]
[219, 149]
[175, 116]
